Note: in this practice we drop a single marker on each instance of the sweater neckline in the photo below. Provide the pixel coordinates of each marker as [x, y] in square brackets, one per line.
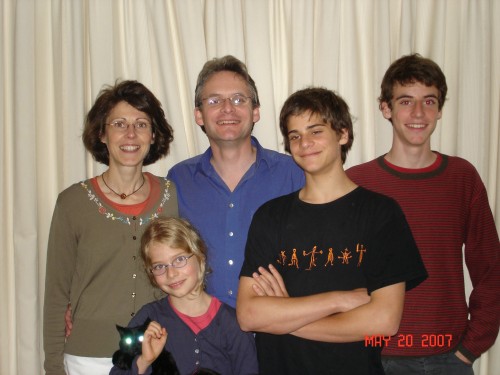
[432, 170]
[150, 212]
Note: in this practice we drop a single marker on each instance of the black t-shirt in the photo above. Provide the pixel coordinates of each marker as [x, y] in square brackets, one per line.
[361, 240]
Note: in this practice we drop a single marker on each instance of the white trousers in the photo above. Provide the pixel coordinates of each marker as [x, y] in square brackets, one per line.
[76, 365]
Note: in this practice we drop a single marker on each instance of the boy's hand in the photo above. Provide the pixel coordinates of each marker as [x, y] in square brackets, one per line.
[269, 283]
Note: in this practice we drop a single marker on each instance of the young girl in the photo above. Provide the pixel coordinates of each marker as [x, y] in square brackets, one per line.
[202, 331]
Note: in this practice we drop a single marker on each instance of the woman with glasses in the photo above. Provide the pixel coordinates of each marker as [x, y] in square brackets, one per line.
[93, 260]
[200, 331]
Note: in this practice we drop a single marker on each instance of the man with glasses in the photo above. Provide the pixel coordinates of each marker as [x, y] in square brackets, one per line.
[219, 190]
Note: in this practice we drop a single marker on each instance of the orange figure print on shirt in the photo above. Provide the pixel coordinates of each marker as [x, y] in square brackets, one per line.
[327, 258]
[330, 258]
[361, 250]
[295, 260]
[312, 253]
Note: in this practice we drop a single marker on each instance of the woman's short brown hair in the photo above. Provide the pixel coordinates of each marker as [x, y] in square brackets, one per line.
[139, 97]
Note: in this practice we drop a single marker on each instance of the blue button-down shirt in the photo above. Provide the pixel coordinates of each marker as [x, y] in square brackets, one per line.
[223, 217]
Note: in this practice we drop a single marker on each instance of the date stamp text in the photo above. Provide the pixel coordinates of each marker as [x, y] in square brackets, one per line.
[409, 341]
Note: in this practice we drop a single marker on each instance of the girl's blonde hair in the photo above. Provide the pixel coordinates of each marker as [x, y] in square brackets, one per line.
[178, 234]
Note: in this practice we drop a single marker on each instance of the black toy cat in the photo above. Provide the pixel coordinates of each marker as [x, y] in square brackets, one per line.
[131, 346]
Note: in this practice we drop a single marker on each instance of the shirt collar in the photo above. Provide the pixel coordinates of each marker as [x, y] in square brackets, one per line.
[204, 165]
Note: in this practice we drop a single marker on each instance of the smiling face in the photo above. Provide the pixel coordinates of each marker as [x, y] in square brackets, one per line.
[414, 114]
[176, 282]
[226, 122]
[314, 145]
[127, 147]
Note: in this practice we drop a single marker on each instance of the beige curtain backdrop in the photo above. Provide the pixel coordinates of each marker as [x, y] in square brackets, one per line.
[57, 54]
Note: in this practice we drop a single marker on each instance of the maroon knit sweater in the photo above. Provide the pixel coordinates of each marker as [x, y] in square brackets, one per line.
[447, 208]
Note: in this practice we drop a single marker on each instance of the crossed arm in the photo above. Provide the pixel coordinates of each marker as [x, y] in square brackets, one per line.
[263, 305]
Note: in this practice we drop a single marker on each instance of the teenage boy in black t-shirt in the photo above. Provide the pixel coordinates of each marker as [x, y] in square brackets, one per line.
[327, 266]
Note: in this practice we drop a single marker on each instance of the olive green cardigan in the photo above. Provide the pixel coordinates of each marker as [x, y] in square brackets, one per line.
[93, 261]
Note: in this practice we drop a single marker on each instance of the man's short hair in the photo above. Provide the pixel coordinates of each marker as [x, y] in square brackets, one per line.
[227, 63]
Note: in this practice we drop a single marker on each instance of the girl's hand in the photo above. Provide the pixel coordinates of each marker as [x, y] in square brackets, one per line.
[155, 338]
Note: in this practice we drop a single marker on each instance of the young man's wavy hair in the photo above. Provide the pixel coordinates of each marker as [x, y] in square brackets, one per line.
[411, 69]
[326, 104]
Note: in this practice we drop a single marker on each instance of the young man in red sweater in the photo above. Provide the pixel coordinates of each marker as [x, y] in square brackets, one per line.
[446, 205]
